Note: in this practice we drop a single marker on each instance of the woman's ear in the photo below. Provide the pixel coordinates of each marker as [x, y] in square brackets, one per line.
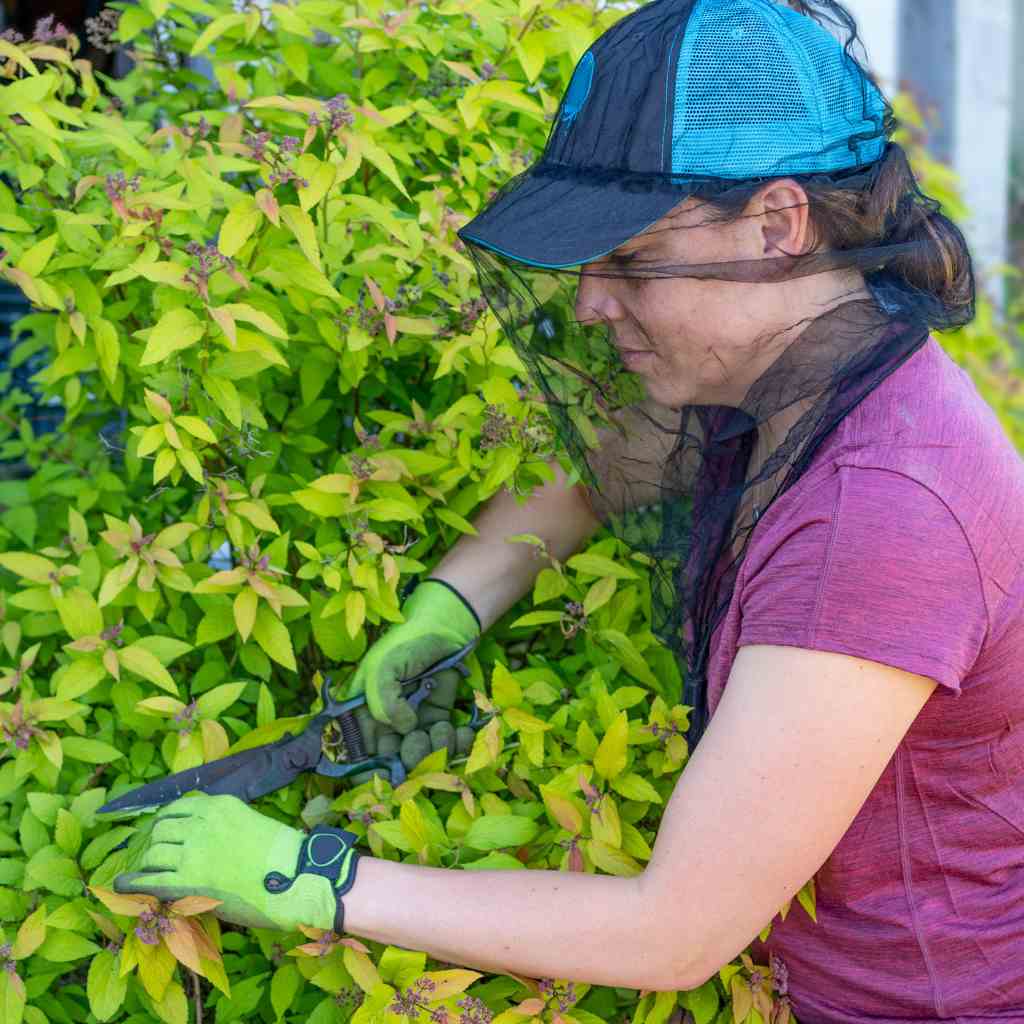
[782, 212]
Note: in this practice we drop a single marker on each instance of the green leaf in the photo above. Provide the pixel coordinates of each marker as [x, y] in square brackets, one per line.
[239, 225]
[216, 701]
[599, 594]
[28, 567]
[614, 861]
[61, 947]
[401, 967]
[302, 227]
[92, 751]
[495, 861]
[78, 677]
[176, 330]
[146, 664]
[701, 1002]
[632, 660]
[79, 613]
[599, 565]
[635, 787]
[284, 987]
[495, 831]
[610, 758]
[68, 832]
[105, 987]
[272, 635]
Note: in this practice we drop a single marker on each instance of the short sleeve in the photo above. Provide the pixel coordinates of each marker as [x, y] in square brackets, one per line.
[873, 564]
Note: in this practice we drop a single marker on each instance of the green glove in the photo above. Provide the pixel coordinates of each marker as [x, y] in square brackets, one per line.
[266, 874]
[434, 729]
[438, 622]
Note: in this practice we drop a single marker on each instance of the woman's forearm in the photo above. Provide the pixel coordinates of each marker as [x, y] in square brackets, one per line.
[493, 574]
[540, 924]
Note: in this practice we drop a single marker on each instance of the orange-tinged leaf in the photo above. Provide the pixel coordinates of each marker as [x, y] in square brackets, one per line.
[563, 810]
[205, 945]
[375, 293]
[105, 925]
[127, 904]
[181, 944]
[530, 1007]
[267, 202]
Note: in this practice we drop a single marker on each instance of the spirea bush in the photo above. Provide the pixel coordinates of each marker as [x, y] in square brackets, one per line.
[284, 401]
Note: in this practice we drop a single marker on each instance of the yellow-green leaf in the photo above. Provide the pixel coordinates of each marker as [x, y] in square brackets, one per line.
[140, 661]
[28, 567]
[610, 758]
[272, 635]
[613, 861]
[238, 227]
[176, 330]
[301, 225]
[245, 611]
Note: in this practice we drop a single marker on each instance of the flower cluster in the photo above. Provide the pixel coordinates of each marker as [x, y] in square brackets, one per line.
[497, 429]
[48, 32]
[338, 115]
[362, 469]
[534, 434]
[573, 619]
[152, 927]
[112, 634]
[408, 1002]
[101, 29]
[565, 998]
[187, 716]
[205, 257]
[474, 1011]
[349, 996]
[200, 130]
[664, 732]
[17, 729]
[116, 185]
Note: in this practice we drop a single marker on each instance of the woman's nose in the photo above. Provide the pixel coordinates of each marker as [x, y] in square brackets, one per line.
[596, 301]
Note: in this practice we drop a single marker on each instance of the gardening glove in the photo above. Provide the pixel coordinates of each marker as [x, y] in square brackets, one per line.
[434, 729]
[266, 874]
[438, 622]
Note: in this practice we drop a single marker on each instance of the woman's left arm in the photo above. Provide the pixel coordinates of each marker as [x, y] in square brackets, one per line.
[795, 746]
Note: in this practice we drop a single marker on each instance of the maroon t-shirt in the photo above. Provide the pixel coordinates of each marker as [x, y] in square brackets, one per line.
[903, 543]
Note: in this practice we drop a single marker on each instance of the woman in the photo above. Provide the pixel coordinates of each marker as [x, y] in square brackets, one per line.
[836, 522]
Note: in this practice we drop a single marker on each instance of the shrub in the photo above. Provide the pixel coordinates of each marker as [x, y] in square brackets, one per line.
[283, 400]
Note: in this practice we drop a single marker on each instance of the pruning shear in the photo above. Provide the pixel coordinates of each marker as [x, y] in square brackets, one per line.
[252, 773]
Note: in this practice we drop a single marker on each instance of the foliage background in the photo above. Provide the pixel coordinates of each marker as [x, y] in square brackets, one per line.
[283, 400]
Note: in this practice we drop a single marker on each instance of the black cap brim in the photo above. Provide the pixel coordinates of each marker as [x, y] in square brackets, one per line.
[557, 222]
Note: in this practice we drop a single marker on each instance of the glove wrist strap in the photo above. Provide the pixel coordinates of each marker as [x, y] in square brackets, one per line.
[465, 603]
[330, 853]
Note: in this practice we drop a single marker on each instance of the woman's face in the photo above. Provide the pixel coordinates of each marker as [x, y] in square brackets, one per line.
[703, 341]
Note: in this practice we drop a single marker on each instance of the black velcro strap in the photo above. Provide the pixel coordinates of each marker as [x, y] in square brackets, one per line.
[330, 853]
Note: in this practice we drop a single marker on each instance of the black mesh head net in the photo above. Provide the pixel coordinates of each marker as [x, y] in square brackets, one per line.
[718, 255]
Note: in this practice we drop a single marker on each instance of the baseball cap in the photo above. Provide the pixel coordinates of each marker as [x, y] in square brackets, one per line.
[684, 97]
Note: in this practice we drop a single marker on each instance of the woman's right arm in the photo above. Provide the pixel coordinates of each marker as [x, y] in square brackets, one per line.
[492, 574]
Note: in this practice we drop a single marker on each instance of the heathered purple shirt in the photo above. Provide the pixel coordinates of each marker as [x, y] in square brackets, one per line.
[903, 543]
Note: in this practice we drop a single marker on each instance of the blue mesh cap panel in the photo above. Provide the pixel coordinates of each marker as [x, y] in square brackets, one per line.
[851, 104]
[762, 90]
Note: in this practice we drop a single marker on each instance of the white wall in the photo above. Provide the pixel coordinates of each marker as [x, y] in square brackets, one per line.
[878, 25]
[985, 74]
